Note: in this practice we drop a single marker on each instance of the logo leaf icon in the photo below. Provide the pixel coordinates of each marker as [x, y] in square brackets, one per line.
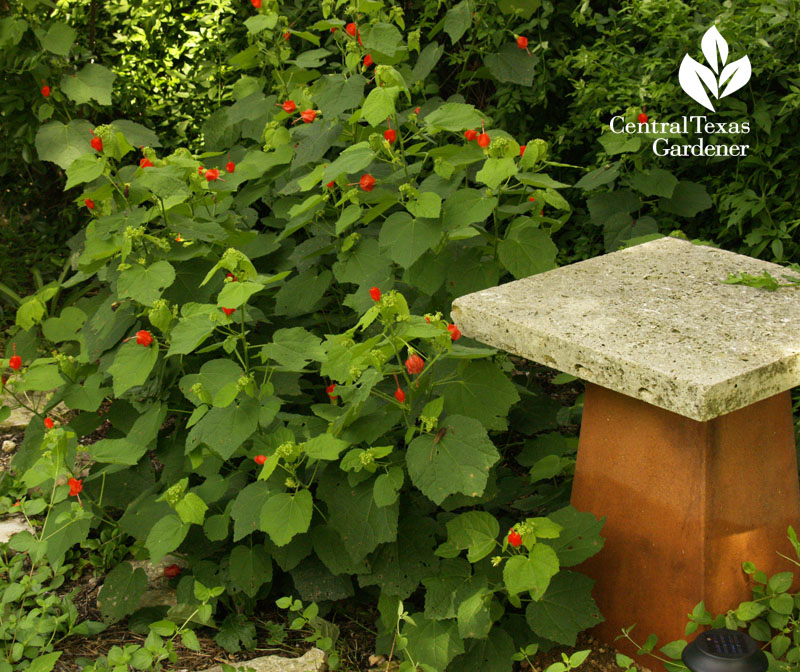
[739, 73]
[711, 43]
[692, 76]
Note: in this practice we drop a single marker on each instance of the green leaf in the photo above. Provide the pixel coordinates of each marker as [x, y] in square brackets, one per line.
[236, 294]
[604, 206]
[361, 524]
[223, 430]
[453, 117]
[780, 582]
[532, 572]
[496, 171]
[189, 333]
[92, 82]
[747, 611]
[84, 169]
[334, 94]
[580, 538]
[43, 663]
[458, 20]
[459, 462]
[467, 206]
[136, 134]
[59, 39]
[236, 629]
[63, 144]
[294, 348]
[783, 603]
[598, 177]
[566, 609]
[324, 447]
[64, 327]
[145, 285]
[132, 365]
[527, 251]
[473, 531]
[379, 105]
[122, 589]
[284, 515]
[30, 312]
[522, 8]
[427, 204]
[246, 509]
[687, 199]
[655, 182]
[406, 239]
[387, 486]
[250, 568]
[165, 536]
[490, 654]
[619, 143]
[482, 391]
[433, 643]
[512, 64]
[255, 24]
[441, 590]
[191, 509]
[354, 159]
[384, 38]
[474, 620]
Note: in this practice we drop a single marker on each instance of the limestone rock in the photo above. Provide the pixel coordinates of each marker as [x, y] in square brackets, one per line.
[11, 525]
[315, 660]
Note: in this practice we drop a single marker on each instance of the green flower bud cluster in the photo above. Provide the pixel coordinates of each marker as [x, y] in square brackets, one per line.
[200, 391]
[428, 423]
[174, 494]
[290, 482]
[354, 373]
[286, 450]
[367, 457]
[134, 232]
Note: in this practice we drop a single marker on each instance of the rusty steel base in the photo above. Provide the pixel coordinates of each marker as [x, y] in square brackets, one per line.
[686, 503]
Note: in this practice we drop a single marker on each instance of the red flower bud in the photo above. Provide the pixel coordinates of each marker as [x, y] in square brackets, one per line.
[48, 422]
[230, 166]
[15, 362]
[89, 203]
[642, 118]
[200, 170]
[368, 61]
[229, 311]
[145, 163]
[514, 538]
[330, 390]
[375, 293]
[97, 144]
[484, 140]
[351, 29]
[330, 184]
[232, 277]
[400, 395]
[415, 364]
[173, 570]
[287, 35]
[367, 182]
[390, 135]
[471, 134]
[289, 106]
[417, 109]
[260, 459]
[144, 338]
[212, 174]
[46, 91]
[256, 3]
[308, 115]
[522, 42]
[75, 486]
[522, 149]
[455, 332]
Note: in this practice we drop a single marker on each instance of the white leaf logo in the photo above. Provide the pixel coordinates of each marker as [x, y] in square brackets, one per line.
[693, 75]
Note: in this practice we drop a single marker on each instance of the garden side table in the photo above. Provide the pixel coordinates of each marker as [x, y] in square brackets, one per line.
[687, 440]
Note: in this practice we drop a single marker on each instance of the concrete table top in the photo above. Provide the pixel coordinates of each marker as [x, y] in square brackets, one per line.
[655, 322]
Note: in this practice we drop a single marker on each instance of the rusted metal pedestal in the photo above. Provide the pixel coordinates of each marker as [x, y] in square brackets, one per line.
[686, 502]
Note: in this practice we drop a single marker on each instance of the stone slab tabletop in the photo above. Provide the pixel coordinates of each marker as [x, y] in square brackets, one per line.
[655, 322]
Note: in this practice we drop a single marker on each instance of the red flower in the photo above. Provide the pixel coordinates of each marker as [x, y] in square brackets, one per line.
[15, 362]
[417, 109]
[390, 135]
[46, 91]
[330, 184]
[229, 311]
[375, 293]
[400, 395]
[642, 118]
[334, 29]
[531, 198]
[522, 149]
[367, 182]
[173, 570]
[97, 144]
[256, 3]
[144, 338]
[415, 364]
[17, 503]
[484, 140]
[455, 332]
[212, 174]
[330, 390]
[232, 277]
[522, 42]
[289, 106]
[351, 29]
[48, 422]
[230, 166]
[75, 486]
[368, 61]
[260, 459]
[514, 538]
[308, 115]
[287, 35]
[89, 203]
[471, 134]
[200, 170]
[145, 163]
